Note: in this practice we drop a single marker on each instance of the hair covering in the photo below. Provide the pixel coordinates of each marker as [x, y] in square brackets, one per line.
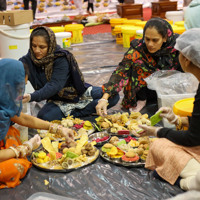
[138, 64]
[189, 45]
[53, 52]
[12, 87]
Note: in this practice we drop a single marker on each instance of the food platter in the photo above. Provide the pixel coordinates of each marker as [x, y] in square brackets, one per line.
[119, 162]
[58, 168]
[55, 156]
[128, 152]
[79, 126]
[100, 138]
[52, 136]
[123, 124]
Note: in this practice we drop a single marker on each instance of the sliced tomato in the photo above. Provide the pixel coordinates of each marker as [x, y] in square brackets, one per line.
[134, 159]
[58, 155]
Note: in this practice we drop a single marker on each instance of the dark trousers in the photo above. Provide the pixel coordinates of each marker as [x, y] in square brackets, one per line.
[90, 5]
[51, 111]
[2, 5]
[33, 7]
[146, 94]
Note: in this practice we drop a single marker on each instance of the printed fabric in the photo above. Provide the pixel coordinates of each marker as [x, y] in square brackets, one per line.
[138, 64]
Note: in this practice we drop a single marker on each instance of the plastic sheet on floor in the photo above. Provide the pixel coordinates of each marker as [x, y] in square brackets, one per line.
[100, 180]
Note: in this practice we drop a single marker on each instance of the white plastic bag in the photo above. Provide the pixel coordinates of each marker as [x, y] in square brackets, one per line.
[168, 82]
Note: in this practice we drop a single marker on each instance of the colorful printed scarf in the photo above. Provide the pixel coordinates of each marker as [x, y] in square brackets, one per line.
[138, 64]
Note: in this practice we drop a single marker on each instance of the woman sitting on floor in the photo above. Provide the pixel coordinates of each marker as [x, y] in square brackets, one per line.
[56, 77]
[13, 162]
[155, 51]
[178, 152]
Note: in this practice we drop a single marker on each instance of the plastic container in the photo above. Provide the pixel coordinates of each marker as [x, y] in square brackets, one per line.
[14, 41]
[178, 29]
[57, 29]
[131, 21]
[141, 23]
[169, 101]
[169, 21]
[179, 23]
[63, 39]
[129, 33]
[139, 34]
[174, 15]
[116, 21]
[76, 32]
[184, 107]
[118, 34]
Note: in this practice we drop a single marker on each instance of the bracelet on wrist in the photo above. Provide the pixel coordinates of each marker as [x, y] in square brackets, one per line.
[59, 130]
[16, 151]
[53, 128]
[29, 146]
[102, 99]
[179, 125]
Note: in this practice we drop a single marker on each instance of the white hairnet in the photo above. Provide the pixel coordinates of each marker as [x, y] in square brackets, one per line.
[189, 45]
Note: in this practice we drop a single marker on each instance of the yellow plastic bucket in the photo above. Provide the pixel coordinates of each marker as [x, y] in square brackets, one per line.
[114, 22]
[139, 34]
[169, 21]
[178, 29]
[118, 34]
[179, 23]
[184, 108]
[129, 33]
[131, 21]
[57, 29]
[76, 31]
[141, 23]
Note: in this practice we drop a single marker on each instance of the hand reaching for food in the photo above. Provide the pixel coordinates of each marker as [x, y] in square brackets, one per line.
[68, 134]
[101, 107]
[149, 130]
[35, 141]
[167, 112]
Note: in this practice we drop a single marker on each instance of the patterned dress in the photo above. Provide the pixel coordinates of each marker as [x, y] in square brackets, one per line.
[138, 64]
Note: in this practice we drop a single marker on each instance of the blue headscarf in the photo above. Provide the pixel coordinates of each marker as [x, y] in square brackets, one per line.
[12, 85]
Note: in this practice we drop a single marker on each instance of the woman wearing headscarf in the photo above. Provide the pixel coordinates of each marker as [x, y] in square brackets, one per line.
[56, 77]
[177, 152]
[13, 162]
[155, 51]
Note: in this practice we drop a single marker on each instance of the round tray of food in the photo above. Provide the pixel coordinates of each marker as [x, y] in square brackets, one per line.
[79, 126]
[55, 156]
[100, 138]
[123, 124]
[128, 152]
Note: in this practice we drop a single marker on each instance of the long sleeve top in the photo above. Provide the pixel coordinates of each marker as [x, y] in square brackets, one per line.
[190, 137]
[44, 89]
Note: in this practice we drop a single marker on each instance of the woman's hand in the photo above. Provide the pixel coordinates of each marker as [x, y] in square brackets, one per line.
[68, 134]
[167, 112]
[35, 141]
[101, 107]
[26, 98]
[149, 130]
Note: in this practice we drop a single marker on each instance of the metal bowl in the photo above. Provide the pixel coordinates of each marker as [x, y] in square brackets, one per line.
[96, 135]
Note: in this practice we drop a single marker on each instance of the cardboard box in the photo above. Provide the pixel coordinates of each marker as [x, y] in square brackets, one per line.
[16, 17]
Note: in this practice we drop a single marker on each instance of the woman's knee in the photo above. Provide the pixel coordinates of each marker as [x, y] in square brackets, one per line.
[50, 112]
